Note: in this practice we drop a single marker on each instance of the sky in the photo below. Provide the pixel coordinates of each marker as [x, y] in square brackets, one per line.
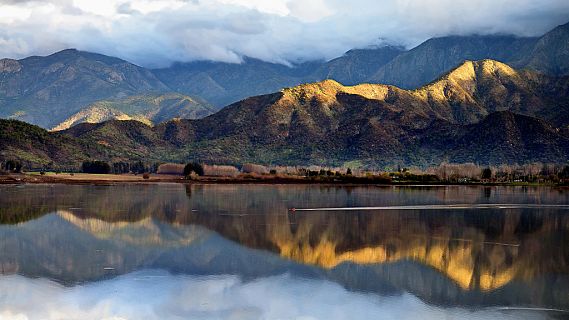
[159, 32]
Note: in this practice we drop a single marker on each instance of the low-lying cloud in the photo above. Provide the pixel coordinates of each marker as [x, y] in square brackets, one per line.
[159, 295]
[156, 33]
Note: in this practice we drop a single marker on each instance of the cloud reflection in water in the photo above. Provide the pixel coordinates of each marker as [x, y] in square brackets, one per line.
[156, 294]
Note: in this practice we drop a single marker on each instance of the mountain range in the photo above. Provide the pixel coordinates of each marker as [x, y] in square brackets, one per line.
[482, 111]
[223, 83]
[73, 86]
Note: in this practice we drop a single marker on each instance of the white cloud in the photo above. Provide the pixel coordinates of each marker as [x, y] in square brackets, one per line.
[158, 32]
[159, 295]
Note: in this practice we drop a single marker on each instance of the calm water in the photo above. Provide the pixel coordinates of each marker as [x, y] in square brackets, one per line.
[236, 252]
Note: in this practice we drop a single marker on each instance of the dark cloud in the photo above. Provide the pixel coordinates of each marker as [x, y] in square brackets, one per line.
[155, 33]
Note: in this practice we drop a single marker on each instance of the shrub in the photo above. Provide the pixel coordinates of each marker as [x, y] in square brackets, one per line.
[273, 171]
[487, 173]
[195, 168]
[145, 176]
[171, 168]
[138, 167]
[95, 167]
[121, 167]
[220, 171]
[255, 168]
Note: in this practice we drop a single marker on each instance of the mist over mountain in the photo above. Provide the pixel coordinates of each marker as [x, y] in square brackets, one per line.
[222, 83]
[59, 90]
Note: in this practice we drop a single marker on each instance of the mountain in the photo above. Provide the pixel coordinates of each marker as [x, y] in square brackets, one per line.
[482, 111]
[37, 147]
[71, 86]
[149, 108]
[326, 122]
[222, 83]
[127, 140]
[551, 52]
[436, 56]
[356, 66]
[502, 137]
[48, 90]
[548, 54]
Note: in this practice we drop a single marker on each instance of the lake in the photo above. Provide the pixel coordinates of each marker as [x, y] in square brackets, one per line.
[173, 251]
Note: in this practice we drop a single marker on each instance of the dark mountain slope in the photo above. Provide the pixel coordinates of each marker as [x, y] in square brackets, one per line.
[436, 56]
[223, 83]
[551, 52]
[502, 137]
[356, 66]
[32, 144]
[126, 139]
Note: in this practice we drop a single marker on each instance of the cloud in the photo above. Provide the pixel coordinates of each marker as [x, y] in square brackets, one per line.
[156, 33]
[159, 295]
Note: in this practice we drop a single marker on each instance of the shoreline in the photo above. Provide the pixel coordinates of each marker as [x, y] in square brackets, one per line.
[113, 179]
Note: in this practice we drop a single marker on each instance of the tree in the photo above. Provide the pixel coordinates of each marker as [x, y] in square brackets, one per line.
[138, 167]
[13, 166]
[193, 167]
[121, 167]
[564, 174]
[487, 173]
[95, 167]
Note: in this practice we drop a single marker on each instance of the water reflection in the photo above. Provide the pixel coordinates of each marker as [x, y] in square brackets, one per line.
[484, 258]
[159, 295]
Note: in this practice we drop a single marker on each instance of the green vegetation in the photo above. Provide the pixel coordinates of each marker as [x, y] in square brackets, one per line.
[486, 173]
[95, 167]
[11, 166]
[328, 124]
[195, 168]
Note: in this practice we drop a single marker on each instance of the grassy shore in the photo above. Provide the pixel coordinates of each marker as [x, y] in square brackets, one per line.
[105, 179]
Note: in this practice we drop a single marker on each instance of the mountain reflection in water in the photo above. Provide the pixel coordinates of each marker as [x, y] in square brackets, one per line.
[480, 258]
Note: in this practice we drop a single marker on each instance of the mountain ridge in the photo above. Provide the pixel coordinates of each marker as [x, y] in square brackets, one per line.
[482, 111]
[49, 90]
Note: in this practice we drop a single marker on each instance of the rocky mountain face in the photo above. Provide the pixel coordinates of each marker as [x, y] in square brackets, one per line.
[482, 111]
